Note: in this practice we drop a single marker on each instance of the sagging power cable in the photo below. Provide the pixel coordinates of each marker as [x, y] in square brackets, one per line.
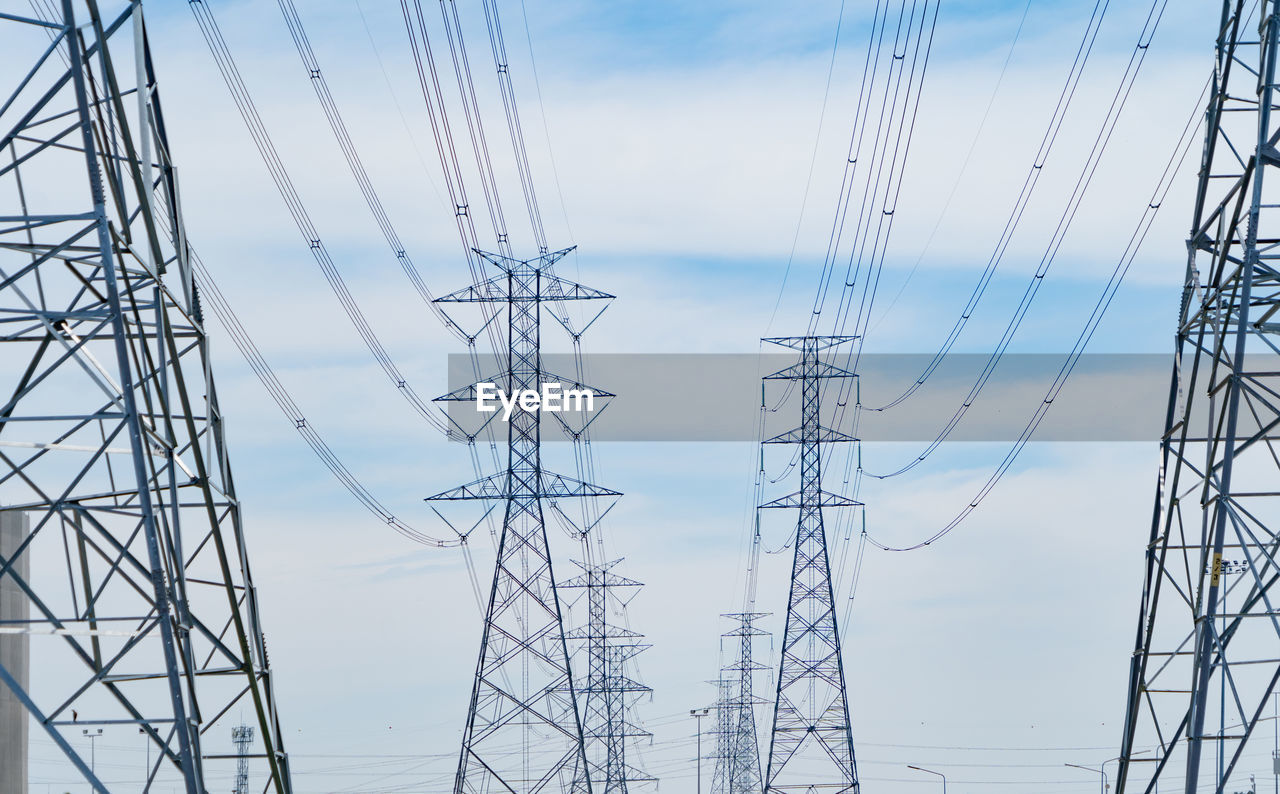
[367, 190]
[1017, 211]
[284, 184]
[1083, 181]
[216, 301]
[1158, 196]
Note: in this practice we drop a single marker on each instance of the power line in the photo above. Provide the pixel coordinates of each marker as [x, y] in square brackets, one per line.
[367, 190]
[1029, 183]
[1123, 264]
[284, 184]
[1083, 181]
[306, 429]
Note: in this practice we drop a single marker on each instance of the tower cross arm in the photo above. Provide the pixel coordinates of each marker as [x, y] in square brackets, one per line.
[550, 288]
[825, 499]
[493, 290]
[821, 369]
[599, 576]
[471, 391]
[495, 486]
[815, 342]
[562, 289]
[797, 436]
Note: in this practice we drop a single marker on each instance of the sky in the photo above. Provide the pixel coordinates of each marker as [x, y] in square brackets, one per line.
[693, 152]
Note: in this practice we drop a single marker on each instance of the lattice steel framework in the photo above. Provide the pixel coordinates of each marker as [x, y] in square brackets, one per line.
[607, 693]
[725, 719]
[1207, 654]
[242, 738]
[737, 746]
[143, 611]
[811, 745]
[523, 696]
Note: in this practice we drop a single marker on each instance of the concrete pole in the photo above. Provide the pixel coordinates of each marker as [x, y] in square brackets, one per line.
[15, 654]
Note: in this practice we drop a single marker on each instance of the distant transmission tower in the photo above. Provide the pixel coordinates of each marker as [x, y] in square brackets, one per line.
[725, 719]
[607, 692]
[811, 745]
[111, 438]
[242, 737]
[738, 749]
[523, 697]
[1207, 656]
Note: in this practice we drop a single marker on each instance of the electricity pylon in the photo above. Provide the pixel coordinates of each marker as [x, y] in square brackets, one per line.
[523, 696]
[608, 692]
[111, 438]
[1207, 655]
[811, 745]
[242, 738]
[725, 720]
[738, 749]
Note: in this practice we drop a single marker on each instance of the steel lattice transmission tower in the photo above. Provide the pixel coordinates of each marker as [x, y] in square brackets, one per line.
[523, 696]
[242, 738]
[738, 750]
[811, 745]
[111, 439]
[1207, 655]
[607, 693]
[725, 719]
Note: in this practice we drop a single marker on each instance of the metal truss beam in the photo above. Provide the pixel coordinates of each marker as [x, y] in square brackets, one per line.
[111, 438]
[1207, 651]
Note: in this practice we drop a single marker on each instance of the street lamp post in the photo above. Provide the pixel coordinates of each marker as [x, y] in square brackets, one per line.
[1117, 758]
[1102, 772]
[930, 771]
[146, 771]
[698, 714]
[93, 748]
[1106, 785]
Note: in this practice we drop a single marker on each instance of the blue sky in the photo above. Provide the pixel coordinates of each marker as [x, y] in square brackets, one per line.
[682, 136]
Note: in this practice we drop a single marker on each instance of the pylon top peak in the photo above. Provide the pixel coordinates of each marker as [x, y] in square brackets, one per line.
[539, 262]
